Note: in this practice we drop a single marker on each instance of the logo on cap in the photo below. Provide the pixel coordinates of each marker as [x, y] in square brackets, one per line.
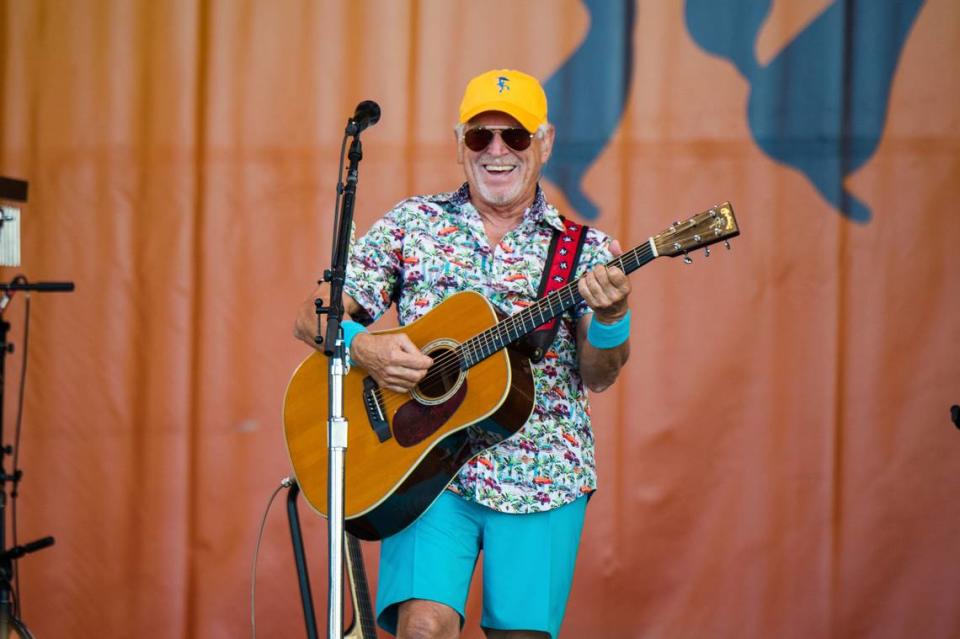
[502, 84]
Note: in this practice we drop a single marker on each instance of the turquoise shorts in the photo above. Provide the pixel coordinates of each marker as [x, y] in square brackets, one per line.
[527, 564]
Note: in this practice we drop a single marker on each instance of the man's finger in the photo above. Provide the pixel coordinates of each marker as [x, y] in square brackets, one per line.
[602, 275]
[413, 356]
[616, 275]
[594, 294]
[397, 374]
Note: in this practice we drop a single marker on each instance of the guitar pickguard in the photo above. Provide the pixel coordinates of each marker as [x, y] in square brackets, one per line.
[414, 422]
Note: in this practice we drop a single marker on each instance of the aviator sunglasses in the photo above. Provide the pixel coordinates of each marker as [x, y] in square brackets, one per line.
[478, 138]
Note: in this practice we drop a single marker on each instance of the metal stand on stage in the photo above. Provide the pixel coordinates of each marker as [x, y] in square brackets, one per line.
[13, 190]
[367, 114]
[300, 558]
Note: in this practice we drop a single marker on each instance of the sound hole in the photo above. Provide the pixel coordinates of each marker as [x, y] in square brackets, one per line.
[442, 377]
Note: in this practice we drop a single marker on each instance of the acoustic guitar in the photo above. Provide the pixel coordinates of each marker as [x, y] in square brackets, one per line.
[404, 448]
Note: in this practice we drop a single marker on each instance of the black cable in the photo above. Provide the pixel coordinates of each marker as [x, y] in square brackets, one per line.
[16, 449]
[336, 203]
[285, 483]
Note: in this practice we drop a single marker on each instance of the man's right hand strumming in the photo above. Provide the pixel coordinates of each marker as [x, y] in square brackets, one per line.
[393, 361]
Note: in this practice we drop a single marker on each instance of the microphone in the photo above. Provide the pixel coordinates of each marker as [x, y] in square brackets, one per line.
[365, 115]
[19, 551]
[40, 287]
[20, 283]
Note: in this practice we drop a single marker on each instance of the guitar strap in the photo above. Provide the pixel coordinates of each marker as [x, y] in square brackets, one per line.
[562, 259]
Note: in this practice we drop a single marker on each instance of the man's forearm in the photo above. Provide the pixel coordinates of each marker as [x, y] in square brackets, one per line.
[599, 367]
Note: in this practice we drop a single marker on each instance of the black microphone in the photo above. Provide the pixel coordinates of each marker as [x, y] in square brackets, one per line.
[40, 287]
[19, 551]
[955, 415]
[366, 114]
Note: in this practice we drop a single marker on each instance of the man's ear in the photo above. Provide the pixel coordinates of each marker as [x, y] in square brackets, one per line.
[546, 143]
[456, 134]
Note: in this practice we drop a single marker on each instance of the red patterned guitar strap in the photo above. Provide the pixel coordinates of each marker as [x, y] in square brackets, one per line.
[562, 258]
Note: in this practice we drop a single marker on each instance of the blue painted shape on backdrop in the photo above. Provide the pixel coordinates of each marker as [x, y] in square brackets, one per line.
[587, 96]
[821, 103]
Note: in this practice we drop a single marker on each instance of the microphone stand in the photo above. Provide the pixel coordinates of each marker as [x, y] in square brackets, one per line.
[336, 352]
[9, 623]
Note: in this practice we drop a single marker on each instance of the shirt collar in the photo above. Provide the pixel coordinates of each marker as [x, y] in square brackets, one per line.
[539, 211]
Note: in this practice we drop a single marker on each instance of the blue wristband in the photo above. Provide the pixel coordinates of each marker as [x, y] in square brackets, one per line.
[605, 336]
[350, 330]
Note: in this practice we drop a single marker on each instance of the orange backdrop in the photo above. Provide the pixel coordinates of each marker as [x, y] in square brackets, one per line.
[776, 460]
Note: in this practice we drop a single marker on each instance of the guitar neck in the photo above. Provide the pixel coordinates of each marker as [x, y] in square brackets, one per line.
[364, 625]
[497, 337]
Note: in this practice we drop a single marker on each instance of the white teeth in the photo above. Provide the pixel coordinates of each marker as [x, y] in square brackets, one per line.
[498, 168]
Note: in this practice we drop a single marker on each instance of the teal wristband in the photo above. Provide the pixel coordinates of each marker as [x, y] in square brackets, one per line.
[350, 330]
[605, 336]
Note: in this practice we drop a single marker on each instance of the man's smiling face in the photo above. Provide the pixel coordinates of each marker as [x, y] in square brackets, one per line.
[499, 176]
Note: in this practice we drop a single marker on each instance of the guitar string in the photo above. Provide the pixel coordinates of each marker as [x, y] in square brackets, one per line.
[525, 321]
[363, 616]
[496, 336]
[488, 343]
[494, 339]
[520, 323]
[637, 257]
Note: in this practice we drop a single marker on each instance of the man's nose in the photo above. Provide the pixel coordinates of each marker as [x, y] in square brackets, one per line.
[497, 145]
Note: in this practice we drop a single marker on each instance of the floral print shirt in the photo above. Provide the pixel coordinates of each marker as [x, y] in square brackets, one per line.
[430, 247]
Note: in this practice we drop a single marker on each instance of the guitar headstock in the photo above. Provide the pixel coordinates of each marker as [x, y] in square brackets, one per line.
[713, 225]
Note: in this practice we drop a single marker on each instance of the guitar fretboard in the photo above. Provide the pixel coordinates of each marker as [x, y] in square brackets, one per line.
[364, 625]
[478, 348]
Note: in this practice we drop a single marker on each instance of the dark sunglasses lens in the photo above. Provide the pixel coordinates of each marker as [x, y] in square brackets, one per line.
[516, 139]
[477, 139]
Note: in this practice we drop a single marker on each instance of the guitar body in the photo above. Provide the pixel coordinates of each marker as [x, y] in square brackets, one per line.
[404, 448]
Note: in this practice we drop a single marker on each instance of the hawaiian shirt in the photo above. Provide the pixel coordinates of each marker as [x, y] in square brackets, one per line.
[430, 247]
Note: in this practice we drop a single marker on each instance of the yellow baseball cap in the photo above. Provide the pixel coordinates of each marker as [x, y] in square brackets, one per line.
[512, 92]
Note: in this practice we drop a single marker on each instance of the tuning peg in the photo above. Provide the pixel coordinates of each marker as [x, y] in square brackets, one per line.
[687, 259]
[727, 244]
[706, 251]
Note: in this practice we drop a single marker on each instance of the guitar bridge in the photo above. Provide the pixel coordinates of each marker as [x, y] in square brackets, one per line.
[374, 405]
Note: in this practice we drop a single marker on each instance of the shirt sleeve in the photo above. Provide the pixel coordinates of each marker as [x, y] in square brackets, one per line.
[374, 269]
[596, 250]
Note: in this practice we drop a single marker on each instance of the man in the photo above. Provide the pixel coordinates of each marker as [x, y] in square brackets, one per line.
[523, 500]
